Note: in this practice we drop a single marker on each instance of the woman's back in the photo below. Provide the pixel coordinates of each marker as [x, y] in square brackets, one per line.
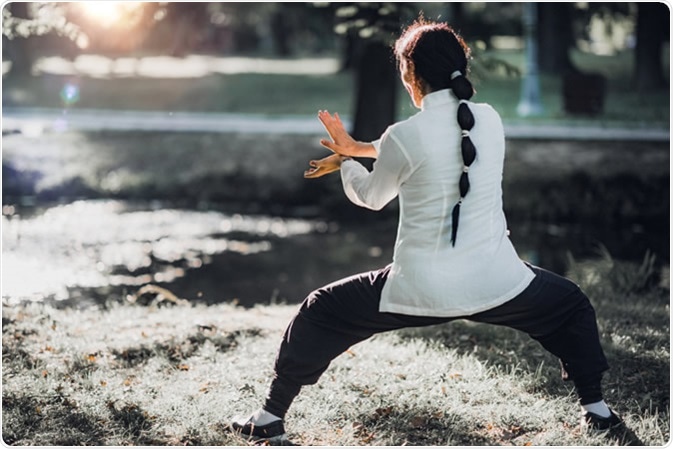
[431, 276]
[432, 139]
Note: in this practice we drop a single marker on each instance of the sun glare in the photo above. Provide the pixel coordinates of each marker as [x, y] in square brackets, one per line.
[107, 13]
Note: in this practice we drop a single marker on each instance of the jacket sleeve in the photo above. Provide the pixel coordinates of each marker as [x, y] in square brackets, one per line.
[377, 188]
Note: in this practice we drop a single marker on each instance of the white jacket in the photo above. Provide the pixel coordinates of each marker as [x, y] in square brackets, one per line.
[419, 159]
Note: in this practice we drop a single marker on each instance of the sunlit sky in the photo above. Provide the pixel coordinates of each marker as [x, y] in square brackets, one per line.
[107, 13]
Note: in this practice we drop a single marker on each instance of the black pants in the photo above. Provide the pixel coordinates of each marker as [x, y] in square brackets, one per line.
[552, 310]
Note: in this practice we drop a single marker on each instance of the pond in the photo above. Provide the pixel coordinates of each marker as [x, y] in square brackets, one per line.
[93, 251]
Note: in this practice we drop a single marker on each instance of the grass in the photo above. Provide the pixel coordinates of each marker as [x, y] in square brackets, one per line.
[303, 94]
[237, 93]
[151, 375]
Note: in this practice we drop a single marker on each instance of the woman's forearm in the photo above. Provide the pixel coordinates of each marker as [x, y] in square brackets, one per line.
[366, 149]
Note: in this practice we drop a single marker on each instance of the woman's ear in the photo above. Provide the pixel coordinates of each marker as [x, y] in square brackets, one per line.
[409, 72]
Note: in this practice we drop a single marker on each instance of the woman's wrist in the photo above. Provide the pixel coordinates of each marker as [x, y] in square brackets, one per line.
[366, 149]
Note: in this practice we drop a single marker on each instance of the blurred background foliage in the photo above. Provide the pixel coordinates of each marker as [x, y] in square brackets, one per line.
[624, 43]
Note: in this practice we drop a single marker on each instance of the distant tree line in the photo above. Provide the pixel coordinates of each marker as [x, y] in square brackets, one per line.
[365, 31]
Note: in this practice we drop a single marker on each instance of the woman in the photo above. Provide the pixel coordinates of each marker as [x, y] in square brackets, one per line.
[453, 258]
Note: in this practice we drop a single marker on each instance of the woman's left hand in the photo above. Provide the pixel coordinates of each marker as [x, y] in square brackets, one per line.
[323, 166]
[342, 143]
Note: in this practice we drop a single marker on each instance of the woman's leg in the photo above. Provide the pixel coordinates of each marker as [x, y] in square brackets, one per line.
[330, 320]
[554, 311]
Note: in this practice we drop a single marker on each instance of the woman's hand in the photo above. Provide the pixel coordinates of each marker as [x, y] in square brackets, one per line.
[324, 166]
[342, 143]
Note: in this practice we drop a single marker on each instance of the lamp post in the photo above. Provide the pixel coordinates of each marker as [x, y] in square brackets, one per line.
[529, 102]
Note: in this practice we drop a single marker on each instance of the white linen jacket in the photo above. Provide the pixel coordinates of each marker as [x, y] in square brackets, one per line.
[419, 160]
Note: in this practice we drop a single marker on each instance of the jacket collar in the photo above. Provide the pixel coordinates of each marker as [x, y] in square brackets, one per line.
[438, 98]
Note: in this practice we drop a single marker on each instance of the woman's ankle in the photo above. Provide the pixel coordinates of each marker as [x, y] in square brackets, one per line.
[261, 417]
[599, 408]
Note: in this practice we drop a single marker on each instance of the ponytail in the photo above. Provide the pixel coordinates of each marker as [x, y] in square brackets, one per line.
[462, 89]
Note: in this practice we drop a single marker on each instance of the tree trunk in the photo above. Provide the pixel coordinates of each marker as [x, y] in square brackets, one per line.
[455, 14]
[280, 29]
[19, 50]
[376, 89]
[555, 37]
[652, 27]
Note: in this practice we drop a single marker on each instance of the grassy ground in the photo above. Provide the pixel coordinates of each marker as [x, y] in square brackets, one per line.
[152, 375]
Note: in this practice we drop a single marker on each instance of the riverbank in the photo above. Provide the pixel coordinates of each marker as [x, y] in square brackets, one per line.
[598, 181]
[168, 373]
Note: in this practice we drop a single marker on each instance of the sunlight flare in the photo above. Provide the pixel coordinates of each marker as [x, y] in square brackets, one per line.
[108, 13]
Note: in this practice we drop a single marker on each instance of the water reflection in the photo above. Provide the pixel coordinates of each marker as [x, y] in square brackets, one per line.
[94, 251]
[90, 244]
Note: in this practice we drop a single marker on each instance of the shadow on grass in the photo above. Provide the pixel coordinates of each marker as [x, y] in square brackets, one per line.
[177, 351]
[28, 420]
[432, 427]
[503, 348]
[625, 437]
[134, 421]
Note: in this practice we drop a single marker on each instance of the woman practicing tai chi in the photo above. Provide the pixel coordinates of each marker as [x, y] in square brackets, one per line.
[453, 258]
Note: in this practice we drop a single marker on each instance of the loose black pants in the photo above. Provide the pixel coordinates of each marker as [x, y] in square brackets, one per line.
[552, 310]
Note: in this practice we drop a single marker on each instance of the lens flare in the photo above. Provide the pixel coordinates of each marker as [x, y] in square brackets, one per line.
[108, 13]
[70, 94]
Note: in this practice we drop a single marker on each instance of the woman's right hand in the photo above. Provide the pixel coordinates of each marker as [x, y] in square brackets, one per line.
[324, 166]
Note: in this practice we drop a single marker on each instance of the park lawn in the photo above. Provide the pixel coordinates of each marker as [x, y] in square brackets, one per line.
[127, 374]
[304, 94]
[234, 93]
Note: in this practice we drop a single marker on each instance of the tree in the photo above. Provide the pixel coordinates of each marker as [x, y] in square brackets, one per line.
[23, 20]
[372, 28]
[555, 37]
[18, 50]
[652, 28]
[560, 24]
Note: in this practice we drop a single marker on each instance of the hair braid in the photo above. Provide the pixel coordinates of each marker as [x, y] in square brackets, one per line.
[462, 88]
[440, 56]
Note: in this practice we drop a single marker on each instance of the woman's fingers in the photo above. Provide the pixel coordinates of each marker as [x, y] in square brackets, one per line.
[324, 117]
[328, 121]
[322, 167]
[329, 145]
[314, 173]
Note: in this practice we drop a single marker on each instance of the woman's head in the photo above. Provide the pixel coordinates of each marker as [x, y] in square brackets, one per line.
[428, 54]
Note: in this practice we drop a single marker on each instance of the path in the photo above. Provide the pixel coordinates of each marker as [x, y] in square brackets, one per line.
[32, 121]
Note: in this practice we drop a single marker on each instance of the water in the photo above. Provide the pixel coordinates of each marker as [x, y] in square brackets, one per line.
[93, 251]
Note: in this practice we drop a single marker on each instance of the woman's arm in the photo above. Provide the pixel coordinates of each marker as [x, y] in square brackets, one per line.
[377, 188]
[342, 143]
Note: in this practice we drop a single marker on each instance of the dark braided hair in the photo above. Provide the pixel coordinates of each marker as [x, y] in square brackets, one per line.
[439, 57]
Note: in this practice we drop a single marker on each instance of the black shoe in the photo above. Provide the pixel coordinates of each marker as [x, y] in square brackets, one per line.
[273, 432]
[596, 422]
